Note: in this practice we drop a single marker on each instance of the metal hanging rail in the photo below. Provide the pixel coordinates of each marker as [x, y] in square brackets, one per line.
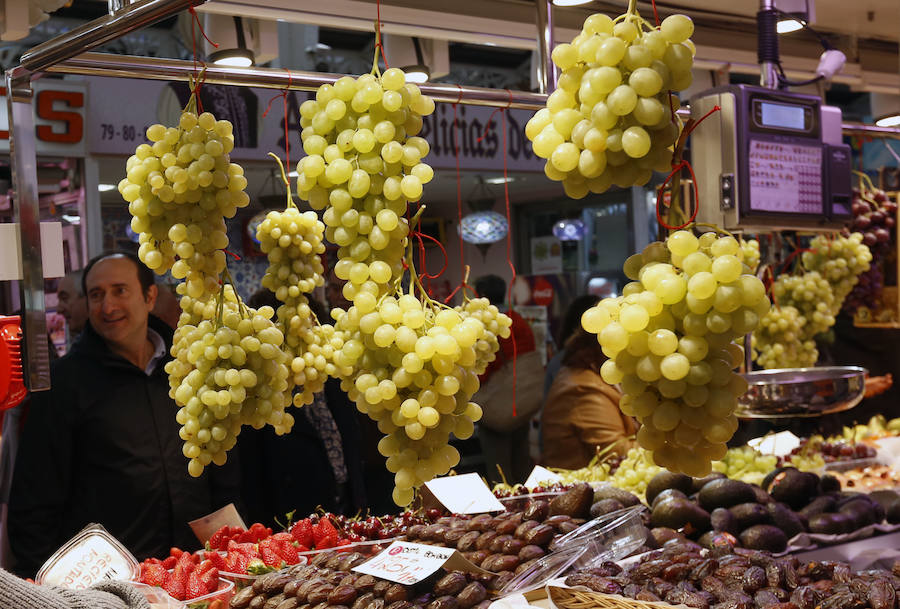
[129, 66]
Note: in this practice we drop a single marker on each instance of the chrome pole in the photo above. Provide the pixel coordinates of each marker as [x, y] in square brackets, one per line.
[22, 152]
[94, 33]
[767, 44]
[546, 71]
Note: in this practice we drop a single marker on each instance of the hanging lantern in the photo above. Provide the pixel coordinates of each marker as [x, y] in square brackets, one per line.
[483, 227]
[569, 230]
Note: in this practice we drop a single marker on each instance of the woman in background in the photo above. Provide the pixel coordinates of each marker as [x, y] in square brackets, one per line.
[581, 413]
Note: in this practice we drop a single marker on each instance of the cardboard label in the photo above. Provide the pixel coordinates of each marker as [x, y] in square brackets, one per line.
[465, 494]
[779, 444]
[88, 562]
[204, 527]
[541, 475]
[408, 563]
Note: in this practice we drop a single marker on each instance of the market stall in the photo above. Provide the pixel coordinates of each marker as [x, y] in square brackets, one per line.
[686, 515]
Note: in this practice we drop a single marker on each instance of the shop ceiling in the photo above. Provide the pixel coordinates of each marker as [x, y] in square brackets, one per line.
[866, 30]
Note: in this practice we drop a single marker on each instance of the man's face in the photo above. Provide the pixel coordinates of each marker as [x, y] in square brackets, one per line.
[117, 306]
[72, 305]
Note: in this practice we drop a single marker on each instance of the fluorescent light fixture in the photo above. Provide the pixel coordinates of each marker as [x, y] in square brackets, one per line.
[232, 58]
[293, 174]
[416, 74]
[239, 57]
[890, 120]
[786, 26]
[500, 180]
[106, 187]
[71, 219]
[570, 2]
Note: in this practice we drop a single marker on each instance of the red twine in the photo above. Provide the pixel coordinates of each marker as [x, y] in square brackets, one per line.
[462, 249]
[232, 254]
[284, 97]
[791, 258]
[655, 14]
[490, 120]
[198, 82]
[509, 249]
[378, 44]
[675, 169]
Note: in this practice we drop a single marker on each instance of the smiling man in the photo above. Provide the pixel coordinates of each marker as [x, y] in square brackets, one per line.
[102, 445]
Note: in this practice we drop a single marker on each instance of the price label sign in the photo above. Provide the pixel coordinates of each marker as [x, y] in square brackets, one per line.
[466, 494]
[406, 563]
[541, 475]
[204, 527]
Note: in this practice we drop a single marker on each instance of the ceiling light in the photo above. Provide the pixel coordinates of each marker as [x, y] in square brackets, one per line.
[569, 230]
[483, 227]
[418, 72]
[570, 2]
[106, 187]
[500, 180]
[71, 219]
[240, 57]
[786, 26]
[890, 120]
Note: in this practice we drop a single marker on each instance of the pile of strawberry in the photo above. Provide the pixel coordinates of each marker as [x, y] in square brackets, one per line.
[221, 538]
[184, 576]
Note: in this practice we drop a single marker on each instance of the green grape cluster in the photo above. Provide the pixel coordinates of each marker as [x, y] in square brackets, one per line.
[180, 188]
[228, 370]
[746, 464]
[669, 340]
[497, 325]
[840, 260]
[750, 249]
[293, 242]
[635, 471]
[778, 341]
[363, 166]
[414, 374]
[611, 120]
[811, 295]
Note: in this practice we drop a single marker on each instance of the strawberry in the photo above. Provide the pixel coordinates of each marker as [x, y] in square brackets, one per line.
[284, 536]
[210, 580]
[341, 543]
[269, 556]
[302, 532]
[169, 563]
[287, 551]
[153, 574]
[194, 587]
[217, 560]
[325, 535]
[176, 552]
[174, 586]
[183, 566]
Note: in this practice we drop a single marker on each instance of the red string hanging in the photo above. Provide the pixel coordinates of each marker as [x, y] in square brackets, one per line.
[791, 258]
[284, 97]
[198, 81]
[232, 254]
[378, 44]
[509, 261]
[655, 14]
[678, 166]
[462, 250]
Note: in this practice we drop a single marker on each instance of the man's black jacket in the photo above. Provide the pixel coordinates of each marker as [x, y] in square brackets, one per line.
[102, 446]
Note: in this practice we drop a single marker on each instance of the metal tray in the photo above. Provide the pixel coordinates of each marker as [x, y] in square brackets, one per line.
[801, 392]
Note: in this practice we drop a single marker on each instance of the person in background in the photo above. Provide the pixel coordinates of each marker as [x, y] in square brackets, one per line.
[508, 451]
[570, 323]
[102, 445]
[167, 307]
[317, 464]
[72, 304]
[581, 413]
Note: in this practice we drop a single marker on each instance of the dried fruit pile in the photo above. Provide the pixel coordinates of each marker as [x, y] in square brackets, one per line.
[681, 573]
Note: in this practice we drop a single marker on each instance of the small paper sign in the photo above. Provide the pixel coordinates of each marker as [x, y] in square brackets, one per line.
[204, 527]
[541, 475]
[779, 444]
[465, 494]
[408, 563]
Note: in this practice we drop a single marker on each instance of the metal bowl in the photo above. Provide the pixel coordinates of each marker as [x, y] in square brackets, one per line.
[801, 392]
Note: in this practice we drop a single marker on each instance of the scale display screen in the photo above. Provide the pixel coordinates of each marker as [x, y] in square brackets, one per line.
[782, 115]
[785, 178]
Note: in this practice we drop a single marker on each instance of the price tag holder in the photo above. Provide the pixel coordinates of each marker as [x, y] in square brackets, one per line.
[92, 556]
[465, 494]
[541, 475]
[408, 563]
[204, 527]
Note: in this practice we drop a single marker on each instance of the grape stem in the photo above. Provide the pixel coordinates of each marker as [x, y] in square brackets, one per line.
[287, 183]
[715, 228]
[375, 69]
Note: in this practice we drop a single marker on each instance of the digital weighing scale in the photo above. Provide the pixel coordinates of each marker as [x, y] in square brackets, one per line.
[762, 162]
